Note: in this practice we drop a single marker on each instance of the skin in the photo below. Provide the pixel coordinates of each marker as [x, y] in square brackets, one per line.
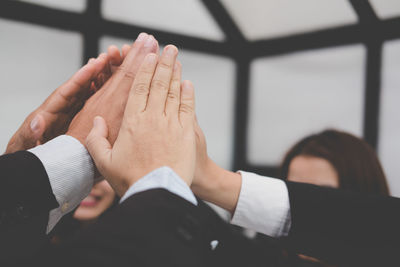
[157, 128]
[313, 170]
[99, 200]
[109, 102]
[53, 116]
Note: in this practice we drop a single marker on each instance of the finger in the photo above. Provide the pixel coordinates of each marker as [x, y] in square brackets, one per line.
[37, 127]
[174, 93]
[161, 80]
[187, 108]
[126, 73]
[102, 69]
[114, 55]
[101, 63]
[97, 144]
[141, 86]
[125, 50]
[27, 135]
[79, 82]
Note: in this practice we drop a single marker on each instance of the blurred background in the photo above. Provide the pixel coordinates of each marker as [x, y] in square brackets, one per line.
[266, 72]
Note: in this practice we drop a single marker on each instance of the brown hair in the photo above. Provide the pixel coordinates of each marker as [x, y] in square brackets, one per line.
[354, 160]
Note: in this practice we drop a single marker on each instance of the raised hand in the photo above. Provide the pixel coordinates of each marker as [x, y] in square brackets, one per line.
[157, 129]
[52, 117]
[109, 102]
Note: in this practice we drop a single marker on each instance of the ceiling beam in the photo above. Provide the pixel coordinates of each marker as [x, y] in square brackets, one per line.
[224, 20]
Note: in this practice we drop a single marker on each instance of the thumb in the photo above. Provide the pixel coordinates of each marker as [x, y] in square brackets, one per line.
[37, 127]
[97, 144]
[28, 135]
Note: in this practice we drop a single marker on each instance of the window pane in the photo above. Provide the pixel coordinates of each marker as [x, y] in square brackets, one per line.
[188, 17]
[263, 19]
[389, 141]
[386, 8]
[34, 62]
[295, 95]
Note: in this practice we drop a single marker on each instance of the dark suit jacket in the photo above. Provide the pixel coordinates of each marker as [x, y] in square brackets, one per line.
[156, 227]
[25, 201]
[347, 228]
[152, 228]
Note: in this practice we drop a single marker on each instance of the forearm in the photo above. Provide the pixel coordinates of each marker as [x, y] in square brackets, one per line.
[70, 172]
[222, 189]
[255, 202]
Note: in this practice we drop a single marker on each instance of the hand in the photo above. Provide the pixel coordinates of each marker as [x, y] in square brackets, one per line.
[54, 115]
[109, 102]
[211, 182]
[157, 128]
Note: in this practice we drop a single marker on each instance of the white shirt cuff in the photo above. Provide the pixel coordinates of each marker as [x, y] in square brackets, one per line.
[165, 178]
[71, 173]
[263, 205]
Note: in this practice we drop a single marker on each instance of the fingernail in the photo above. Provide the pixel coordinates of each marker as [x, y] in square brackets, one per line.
[141, 37]
[91, 60]
[187, 88]
[35, 124]
[170, 50]
[149, 42]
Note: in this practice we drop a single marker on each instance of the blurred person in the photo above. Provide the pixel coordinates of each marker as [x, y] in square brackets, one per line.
[101, 199]
[337, 226]
[334, 159]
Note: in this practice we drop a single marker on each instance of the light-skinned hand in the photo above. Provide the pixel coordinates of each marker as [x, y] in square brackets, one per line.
[157, 129]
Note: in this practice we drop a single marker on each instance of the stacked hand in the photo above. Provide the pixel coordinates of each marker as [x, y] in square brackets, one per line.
[157, 128]
[54, 116]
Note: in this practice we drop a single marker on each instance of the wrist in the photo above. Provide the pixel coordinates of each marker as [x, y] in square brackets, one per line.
[221, 187]
[81, 138]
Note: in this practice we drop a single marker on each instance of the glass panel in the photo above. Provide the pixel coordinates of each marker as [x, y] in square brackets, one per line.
[213, 78]
[298, 94]
[263, 19]
[389, 141]
[70, 5]
[188, 17]
[34, 62]
[386, 8]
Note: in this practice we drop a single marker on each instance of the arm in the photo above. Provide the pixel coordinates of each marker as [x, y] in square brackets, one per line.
[325, 223]
[338, 225]
[64, 160]
[157, 130]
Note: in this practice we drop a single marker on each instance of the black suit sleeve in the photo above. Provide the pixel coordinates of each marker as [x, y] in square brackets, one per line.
[26, 198]
[158, 228]
[344, 227]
